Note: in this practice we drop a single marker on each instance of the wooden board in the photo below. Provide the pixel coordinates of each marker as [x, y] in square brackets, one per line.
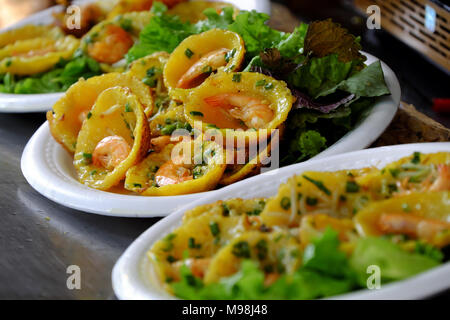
[406, 20]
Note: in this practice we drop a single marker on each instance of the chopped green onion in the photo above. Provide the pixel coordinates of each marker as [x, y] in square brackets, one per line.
[152, 72]
[285, 203]
[87, 157]
[207, 69]
[241, 249]
[311, 201]
[198, 172]
[225, 210]
[126, 24]
[394, 172]
[319, 185]
[260, 83]
[128, 107]
[230, 55]
[416, 158]
[262, 249]
[193, 245]
[171, 259]
[189, 53]
[255, 212]
[167, 130]
[196, 113]
[214, 227]
[268, 86]
[168, 240]
[151, 82]
[352, 187]
[237, 77]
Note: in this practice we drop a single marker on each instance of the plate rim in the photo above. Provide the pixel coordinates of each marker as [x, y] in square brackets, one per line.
[127, 269]
[29, 103]
[43, 102]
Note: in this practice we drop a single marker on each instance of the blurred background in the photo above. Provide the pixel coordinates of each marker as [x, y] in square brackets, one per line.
[414, 40]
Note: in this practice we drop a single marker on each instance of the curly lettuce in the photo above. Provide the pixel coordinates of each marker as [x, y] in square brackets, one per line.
[59, 79]
[326, 271]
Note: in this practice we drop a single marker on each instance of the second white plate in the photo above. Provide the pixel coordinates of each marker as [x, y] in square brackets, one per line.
[132, 277]
[28, 103]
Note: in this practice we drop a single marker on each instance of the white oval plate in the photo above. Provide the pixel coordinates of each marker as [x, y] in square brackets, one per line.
[49, 169]
[27, 103]
[132, 277]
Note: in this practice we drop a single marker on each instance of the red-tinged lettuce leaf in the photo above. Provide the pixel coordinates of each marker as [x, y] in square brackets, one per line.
[304, 101]
[333, 55]
[278, 65]
[326, 37]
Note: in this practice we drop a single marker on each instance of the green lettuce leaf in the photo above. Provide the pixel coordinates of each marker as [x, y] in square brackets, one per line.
[215, 20]
[163, 33]
[310, 144]
[292, 45]
[248, 284]
[324, 273]
[310, 132]
[320, 75]
[394, 263]
[256, 34]
[323, 255]
[58, 79]
[369, 82]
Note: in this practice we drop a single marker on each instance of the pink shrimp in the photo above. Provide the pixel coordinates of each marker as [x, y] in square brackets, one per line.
[160, 142]
[254, 112]
[111, 152]
[172, 173]
[198, 266]
[112, 46]
[200, 70]
[83, 115]
[442, 183]
[414, 226]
